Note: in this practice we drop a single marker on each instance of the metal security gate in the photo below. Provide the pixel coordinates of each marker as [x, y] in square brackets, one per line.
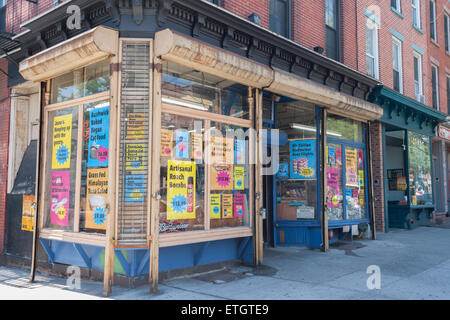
[132, 227]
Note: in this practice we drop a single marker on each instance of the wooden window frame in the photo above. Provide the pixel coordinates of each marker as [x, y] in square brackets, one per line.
[75, 235]
[208, 234]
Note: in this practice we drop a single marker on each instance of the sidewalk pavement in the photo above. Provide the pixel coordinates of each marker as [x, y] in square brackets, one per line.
[414, 264]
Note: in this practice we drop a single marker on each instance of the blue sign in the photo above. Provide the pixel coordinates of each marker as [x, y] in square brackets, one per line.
[135, 186]
[302, 163]
[182, 148]
[98, 137]
[283, 170]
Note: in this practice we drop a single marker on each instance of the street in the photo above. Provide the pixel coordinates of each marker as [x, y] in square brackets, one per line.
[413, 264]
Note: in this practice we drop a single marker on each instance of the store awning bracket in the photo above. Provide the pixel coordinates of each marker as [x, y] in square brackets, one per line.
[144, 262]
[123, 262]
[83, 255]
[48, 250]
[200, 253]
[243, 245]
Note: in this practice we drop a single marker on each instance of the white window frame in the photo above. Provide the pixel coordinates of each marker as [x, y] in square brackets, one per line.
[398, 43]
[433, 10]
[418, 56]
[397, 6]
[435, 68]
[416, 5]
[370, 26]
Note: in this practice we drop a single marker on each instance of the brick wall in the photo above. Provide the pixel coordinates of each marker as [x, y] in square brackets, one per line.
[437, 53]
[376, 152]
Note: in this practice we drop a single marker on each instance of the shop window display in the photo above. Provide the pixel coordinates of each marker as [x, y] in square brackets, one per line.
[297, 175]
[420, 185]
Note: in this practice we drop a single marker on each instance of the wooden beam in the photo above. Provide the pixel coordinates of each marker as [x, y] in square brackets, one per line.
[108, 273]
[325, 240]
[154, 245]
[257, 103]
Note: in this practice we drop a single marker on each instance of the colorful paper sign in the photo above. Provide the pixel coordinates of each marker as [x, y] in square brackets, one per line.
[333, 176]
[96, 198]
[62, 142]
[98, 137]
[60, 197]
[166, 142]
[180, 190]
[302, 159]
[222, 150]
[182, 144]
[221, 177]
[214, 206]
[239, 151]
[239, 208]
[197, 146]
[239, 176]
[360, 160]
[135, 188]
[136, 126]
[332, 156]
[351, 168]
[227, 206]
[361, 178]
[283, 170]
[28, 212]
[136, 157]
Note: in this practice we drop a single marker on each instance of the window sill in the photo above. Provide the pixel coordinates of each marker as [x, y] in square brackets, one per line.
[418, 29]
[435, 43]
[188, 237]
[80, 237]
[397, 13]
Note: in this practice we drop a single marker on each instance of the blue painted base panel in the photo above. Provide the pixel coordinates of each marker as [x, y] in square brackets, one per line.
[135, 262]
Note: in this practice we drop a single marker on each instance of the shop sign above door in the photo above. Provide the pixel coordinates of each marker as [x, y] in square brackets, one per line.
[444, 133]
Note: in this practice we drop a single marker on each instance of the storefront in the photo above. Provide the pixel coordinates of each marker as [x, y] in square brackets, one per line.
[441, 150]
[409, 171]
[151, 156]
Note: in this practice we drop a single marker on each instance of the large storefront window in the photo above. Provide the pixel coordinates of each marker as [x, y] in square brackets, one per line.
[205, 156]
[345, 164]
[77, 153]
[420, 183]
[200, 91]
[298, 174]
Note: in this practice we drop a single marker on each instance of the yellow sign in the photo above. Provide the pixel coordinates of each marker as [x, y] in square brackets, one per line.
[214, 206]
[62, 142]
[136, 157]
[180, 190]
[239, 174]
[227, 206]
[221, 177]
[166, 142]
[28, 212]
[96, 198]
[197, 146]
[136, 125]
[222, 150]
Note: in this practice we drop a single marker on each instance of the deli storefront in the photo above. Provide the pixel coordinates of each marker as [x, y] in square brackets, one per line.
[152, 153]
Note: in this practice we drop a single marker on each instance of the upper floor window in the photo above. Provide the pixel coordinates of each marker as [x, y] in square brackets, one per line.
[418, 84]
[448, 94]
[372, 50]
[435, 86]
[397, 64]
[433, 33]
[215, 2]
[279, 17]
[332, 27]
[447, 32]
[416, 13]
[2, 15]
[395, 4]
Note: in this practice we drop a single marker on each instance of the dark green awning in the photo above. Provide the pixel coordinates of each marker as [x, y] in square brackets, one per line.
[406, 113]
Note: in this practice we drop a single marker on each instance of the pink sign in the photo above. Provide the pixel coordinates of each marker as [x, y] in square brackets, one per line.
[238, 205]
[444, 133]
[333, 187]
[60, 192]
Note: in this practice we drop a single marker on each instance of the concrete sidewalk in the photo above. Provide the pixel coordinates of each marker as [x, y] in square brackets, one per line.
[414, 264]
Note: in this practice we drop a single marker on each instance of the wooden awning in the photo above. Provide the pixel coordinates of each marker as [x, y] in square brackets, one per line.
[290, 85]
[197, 55]
[186, 51]
[92, 46]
